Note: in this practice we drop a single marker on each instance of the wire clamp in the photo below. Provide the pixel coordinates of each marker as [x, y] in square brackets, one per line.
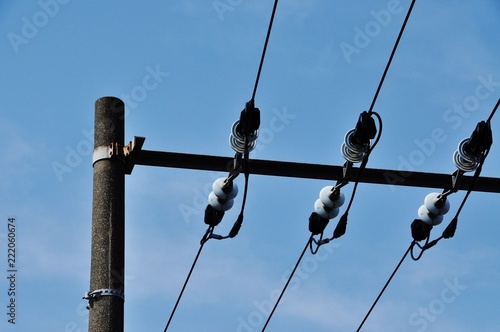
[94, 295]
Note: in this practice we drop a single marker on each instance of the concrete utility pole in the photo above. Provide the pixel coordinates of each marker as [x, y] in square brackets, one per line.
[106, 296]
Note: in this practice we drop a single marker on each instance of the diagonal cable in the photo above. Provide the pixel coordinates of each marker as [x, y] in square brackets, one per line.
[202, 243]
[447, 233]
[286, 285]
[340, 230]
[264, 49]
[385, 286]
[391, 56]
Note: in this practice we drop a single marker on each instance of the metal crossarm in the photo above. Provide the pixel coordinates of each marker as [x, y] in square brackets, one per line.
[313, 171]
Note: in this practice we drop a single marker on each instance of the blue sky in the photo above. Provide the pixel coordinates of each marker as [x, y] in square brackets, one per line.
[185, 70]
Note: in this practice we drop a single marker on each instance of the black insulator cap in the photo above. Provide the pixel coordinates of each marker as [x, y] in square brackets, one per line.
[212, 216]
[317, 223]
[420, 230]
[365, 129]
[249, 119]
[480, 140]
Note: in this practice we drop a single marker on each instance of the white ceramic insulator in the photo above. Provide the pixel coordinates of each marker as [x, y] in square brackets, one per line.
[325, 212]
[435, 206]
[218, 204]
[324, 196]
[462, 160]
[220, 193]
[429, 218]
[350, 151]
[237, 140]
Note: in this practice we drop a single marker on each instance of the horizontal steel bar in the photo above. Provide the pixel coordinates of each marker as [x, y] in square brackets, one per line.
[312, 171]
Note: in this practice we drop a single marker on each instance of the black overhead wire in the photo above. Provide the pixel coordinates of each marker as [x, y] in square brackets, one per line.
[391, 56]
[239, 221]
[234, 230]
[286, 284]
[264, 49]
[187, 280]
[379, 87]
[385, 286]
[493, 112]
[341, 226]
[447, 233]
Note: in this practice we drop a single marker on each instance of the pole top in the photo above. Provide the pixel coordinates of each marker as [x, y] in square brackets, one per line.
[109, 121]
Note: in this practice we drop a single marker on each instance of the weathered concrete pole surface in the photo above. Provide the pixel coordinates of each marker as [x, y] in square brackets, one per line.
[108, 219]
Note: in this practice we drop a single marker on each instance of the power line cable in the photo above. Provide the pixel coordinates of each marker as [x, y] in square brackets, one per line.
[494, 111]
[246, 130]
[202, 243]
[483, 131]
[250, 118]
[342, 224]
[425, 247]
[391, 56]
[286, 284]
[385, 286]
[264, 49]
[367, 129]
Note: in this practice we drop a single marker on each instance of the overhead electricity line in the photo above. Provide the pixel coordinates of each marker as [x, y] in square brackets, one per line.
[342, 224]
[184, 286]
[286, 284]
[244, 133]
[385, 286]
[392, 55]
[356, 148]
[372, 105]
[435, 205]
[265, 48]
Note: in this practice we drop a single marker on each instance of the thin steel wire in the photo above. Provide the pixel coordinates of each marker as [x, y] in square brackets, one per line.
[185, 283]
[265, 49]
[286, 285]
[391, 57]
[385, 286]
